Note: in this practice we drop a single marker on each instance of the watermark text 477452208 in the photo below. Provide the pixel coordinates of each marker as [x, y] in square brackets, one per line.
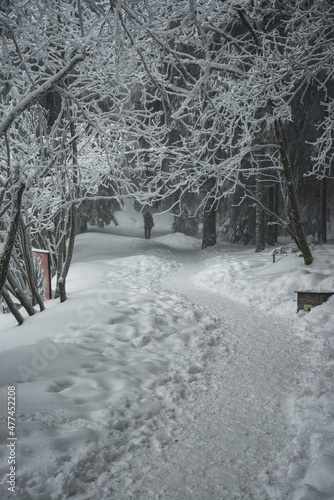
[11, 439]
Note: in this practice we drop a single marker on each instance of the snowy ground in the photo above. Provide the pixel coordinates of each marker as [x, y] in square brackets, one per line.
[173, 373]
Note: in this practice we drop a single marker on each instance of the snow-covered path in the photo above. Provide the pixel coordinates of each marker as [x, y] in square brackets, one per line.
[233, 436]
[164, 377]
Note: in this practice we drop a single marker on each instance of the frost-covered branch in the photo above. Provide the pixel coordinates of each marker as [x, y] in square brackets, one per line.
[36, 94]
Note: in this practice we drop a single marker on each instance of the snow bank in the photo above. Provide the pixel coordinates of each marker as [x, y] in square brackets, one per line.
[92, 373]
[179, 241]
[254, 279]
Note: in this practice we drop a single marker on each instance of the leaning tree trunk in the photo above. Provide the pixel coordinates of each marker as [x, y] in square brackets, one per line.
[296, 219]
[209, 219]
[7, 247]
[11, 306]
[19, 293]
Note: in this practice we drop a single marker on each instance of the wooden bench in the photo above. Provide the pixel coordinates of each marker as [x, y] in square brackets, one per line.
[307, 299]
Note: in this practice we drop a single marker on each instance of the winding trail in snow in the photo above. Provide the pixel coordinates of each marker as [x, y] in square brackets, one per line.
[234, 438]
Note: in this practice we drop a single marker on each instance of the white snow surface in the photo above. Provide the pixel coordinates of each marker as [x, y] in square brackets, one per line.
[173, 373]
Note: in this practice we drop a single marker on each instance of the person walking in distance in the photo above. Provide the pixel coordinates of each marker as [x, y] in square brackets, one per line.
[148, 224]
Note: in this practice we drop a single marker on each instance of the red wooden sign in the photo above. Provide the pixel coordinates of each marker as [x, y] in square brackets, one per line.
[43, 264]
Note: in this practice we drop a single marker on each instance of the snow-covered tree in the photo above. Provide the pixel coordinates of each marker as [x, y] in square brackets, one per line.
[65, 120]
[167, 101]
[230, 75]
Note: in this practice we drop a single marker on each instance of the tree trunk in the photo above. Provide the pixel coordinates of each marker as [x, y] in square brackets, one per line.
[60, 262]
[276, 209]
[259, 222]
[7, 248]
[61, 250]
[299, 230]
[67, 255]
[272, 228]
[20, 294]
[11, 306]
[28, 257]
[209, 220]
[67, 263]
[324, 210]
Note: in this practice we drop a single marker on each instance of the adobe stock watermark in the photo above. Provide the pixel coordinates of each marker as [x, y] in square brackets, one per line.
[46, 352]
[11, 439]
